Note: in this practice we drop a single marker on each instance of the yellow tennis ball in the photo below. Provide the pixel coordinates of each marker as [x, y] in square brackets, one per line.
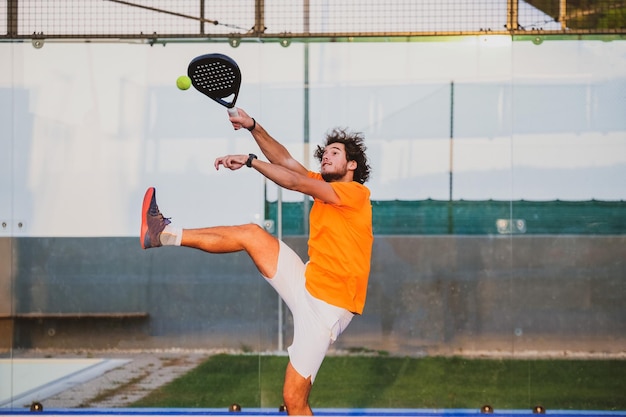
[183, 82]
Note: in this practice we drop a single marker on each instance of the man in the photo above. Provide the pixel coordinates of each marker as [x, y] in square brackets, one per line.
[324, 294]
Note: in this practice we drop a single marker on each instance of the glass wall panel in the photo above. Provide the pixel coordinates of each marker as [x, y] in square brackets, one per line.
[568, 149]
[497, 192]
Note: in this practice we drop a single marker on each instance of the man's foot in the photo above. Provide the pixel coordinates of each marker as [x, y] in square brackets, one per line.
[152, 221]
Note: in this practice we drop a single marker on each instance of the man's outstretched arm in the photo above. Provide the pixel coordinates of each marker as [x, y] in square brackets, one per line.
[286, 178]
[274, 151]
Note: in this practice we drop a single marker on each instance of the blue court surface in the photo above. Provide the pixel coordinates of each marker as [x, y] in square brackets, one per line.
[387, 412]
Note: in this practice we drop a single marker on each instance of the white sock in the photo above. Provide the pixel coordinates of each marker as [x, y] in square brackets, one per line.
[171, 236]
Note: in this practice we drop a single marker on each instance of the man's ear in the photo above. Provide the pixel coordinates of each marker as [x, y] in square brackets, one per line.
[352, 165]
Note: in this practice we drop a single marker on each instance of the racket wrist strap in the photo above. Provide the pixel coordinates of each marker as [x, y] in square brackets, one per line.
[251, 128]
[251, 156]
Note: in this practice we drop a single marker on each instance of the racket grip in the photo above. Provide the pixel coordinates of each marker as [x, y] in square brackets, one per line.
[232, 111]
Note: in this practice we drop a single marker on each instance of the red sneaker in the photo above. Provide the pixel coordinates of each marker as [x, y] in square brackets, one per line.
[152, 221]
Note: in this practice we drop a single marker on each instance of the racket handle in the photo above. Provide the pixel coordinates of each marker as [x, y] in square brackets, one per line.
[232, 111]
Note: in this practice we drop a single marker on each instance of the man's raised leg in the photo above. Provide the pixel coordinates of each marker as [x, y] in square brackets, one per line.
[261, 246]
[156, 231]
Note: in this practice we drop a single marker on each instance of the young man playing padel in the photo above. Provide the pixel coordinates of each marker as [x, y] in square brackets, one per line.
[326, 292]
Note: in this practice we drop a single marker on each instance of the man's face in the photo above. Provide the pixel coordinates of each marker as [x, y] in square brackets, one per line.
[335, 166]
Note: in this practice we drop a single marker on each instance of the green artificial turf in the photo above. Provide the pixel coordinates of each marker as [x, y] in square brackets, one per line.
[393, 382]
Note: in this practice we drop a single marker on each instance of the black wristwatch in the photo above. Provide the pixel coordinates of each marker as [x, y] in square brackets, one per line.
[251, 156]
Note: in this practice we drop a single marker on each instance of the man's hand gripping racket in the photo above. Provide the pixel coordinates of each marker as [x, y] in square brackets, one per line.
[218, 77]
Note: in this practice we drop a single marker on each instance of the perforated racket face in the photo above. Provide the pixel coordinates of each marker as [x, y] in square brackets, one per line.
[217, 76]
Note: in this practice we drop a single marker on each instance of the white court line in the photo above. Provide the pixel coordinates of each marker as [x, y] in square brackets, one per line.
[23, 381]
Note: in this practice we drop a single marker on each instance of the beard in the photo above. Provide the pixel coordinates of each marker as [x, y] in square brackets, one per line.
[334, 176]
[331, 176]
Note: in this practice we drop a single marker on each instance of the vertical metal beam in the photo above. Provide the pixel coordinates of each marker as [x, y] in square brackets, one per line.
[512, 15]
[451, 162]
[279, 235]
[7, 290]
[259, 16]
[12, 18]
[202, 17]
[563, 14]
[306, 127]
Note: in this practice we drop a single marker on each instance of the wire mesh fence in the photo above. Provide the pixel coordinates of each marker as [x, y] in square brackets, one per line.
[305, 19]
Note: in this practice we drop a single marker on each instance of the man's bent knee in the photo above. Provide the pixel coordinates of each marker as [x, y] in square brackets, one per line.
[262, 247]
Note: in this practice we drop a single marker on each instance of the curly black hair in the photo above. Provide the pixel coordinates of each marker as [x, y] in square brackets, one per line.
[355, 151]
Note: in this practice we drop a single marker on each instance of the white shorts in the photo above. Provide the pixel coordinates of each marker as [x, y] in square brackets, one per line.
[317, 324]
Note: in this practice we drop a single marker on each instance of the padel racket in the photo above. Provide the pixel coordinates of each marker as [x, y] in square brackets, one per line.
[218, 77]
